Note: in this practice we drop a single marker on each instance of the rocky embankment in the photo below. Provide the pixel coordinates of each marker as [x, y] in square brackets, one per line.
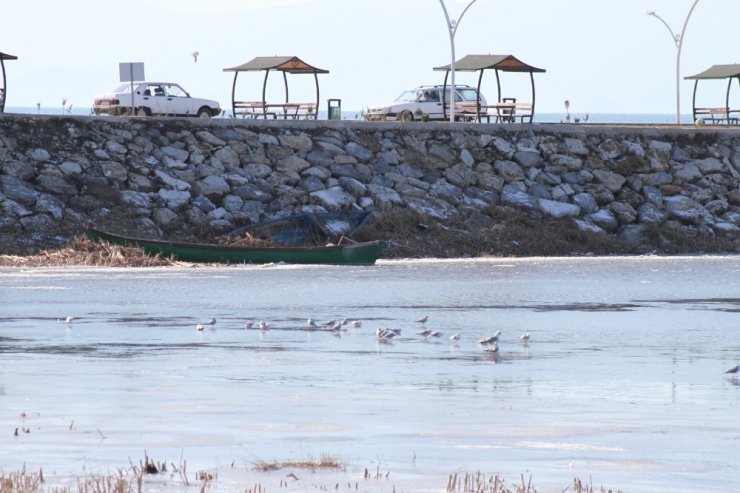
[196, 179]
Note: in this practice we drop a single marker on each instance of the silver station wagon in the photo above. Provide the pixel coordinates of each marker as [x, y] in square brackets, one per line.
[424, 103]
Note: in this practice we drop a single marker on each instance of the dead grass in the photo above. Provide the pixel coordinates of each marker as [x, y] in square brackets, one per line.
[324, 462]
[84, 252]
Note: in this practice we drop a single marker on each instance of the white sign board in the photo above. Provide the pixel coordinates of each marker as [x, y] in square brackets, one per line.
[130, 72]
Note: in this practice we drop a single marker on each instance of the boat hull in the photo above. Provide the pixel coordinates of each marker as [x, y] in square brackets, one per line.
[365, 253]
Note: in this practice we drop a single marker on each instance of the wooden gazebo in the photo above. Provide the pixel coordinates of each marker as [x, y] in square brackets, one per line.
[288, 109]
[503, 110]
[717, 114]
[4, 87]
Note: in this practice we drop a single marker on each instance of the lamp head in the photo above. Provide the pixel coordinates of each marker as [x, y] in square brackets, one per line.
[650, 12]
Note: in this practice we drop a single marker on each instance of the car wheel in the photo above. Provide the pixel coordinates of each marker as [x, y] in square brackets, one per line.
[204, 113]
[406, 116]
[143, 111]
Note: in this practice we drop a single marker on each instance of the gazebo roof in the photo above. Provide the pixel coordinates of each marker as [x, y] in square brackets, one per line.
[5, 56]
[290, 64]
[505, 63]
[718, 72]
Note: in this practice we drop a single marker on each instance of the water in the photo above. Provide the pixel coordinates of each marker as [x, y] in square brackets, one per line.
[622, 382]
[349, 114]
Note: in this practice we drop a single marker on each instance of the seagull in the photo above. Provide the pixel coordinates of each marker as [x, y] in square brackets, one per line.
[248, 324]
[423, 319]
[356, 323]
[425, 333]
[493, 348]
[69, 319]
[311, 323]
[212, 321]
[195, 56]
[199, 327]
[263, 325]
[455, 336]
[524, 337]
[435, 333]
[734, 370]
[385, 334]
[490, 339]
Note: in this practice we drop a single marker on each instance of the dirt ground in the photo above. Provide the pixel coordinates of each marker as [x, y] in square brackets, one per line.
[505, 232]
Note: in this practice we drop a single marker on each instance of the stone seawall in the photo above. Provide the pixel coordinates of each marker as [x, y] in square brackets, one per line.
[177, 177]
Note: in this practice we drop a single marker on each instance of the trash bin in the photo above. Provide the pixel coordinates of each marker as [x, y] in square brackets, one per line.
[334, 109]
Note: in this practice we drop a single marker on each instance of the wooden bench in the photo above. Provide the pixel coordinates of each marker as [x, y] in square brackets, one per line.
[716, 115]
[260, 109]
[251, 109]
[469, 112]
[511, 112]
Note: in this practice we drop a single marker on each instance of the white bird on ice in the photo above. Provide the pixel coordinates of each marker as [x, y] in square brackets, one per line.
[311, 323]
[212, 321]
[493, 348]
[263, 325]
[490, 339]
[455, 336]
[356, 323]
[248, 324]
[423, 319]
[69, 319]
[199, 327]
[524, 337]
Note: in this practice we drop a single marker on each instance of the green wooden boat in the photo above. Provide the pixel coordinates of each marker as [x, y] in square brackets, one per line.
[365, 253]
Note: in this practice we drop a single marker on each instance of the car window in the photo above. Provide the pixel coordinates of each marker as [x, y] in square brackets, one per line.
[448, 97]
[176, 91]
[468, 94]
[429, 96]
[156, 89]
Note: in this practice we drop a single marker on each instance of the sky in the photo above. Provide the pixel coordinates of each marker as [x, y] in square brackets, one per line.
[604, 56]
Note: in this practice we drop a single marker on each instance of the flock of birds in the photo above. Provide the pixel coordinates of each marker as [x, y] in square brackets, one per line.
[386, 335]
[383, 334]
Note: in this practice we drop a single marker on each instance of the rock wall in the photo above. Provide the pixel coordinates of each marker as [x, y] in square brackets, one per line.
[174, 176]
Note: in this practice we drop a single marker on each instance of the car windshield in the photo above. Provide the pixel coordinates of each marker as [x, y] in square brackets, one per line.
[123, 88]
[408, 97]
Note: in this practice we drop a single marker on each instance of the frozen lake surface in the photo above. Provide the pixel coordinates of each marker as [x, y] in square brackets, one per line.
[622, 381]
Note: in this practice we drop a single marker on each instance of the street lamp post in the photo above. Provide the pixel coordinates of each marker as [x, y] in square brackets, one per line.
[678, 40]
[452, 25]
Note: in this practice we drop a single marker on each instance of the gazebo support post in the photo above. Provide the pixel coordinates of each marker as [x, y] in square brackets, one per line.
[5, 87]
[264, 94]
[444, 95]
[316, 81]
[727, 98]
[498, 87]
[285, 81]
[531, 80]
[693, 101]
[477, 99]
[233, 95]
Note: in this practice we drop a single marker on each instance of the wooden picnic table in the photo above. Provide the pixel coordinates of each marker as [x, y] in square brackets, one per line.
[717, 115]
[261, 109]
[500, 112]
